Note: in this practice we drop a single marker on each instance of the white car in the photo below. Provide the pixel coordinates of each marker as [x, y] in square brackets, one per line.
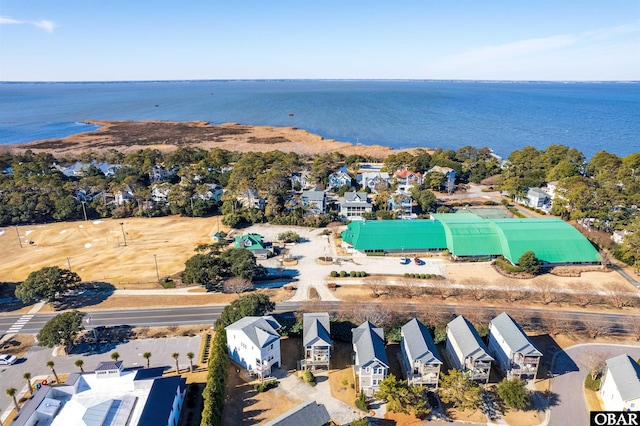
[8, 359]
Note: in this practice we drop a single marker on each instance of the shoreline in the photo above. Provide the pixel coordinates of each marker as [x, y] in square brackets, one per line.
[128, 136]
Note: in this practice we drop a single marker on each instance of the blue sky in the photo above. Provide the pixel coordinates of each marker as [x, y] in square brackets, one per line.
[103, 40]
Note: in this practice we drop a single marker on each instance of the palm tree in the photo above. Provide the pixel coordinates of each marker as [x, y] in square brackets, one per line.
[79, 363]
[50, 364]
[115, 356]
[146, 356]
[175, 356]
[12, 393]
[27, 377]
[190, 355]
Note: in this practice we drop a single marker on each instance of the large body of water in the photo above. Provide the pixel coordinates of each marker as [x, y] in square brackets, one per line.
[399, 114]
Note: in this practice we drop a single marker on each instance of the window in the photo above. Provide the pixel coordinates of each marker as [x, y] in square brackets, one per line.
[376, 382]
[378, 370]
[367, 370]
[270, 347]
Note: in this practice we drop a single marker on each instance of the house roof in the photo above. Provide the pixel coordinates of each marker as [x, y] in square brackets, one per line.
[355, 198]
[148, 373]
[468, 340]
[405, 173]
[368, 341]
[443, 170]
[316, 329]
[308, 413]
[419, 344]
[160, 400]
[314, 195]
[537, 192]
[260, 330]
[513, 335]
[109, 365]
[249, 241]
[626, 374]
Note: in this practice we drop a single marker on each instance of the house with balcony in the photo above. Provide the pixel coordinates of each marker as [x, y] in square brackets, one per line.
[419, 355]
[354, 204]
[338, 179]
[536, 198]
[314, 201]
[251, 199]
[316, 340]
[620, 384]
[301, 180]
[466, 351]
[514, 353]
[449, 182]
[371, 365]
[375, 180]
[401, 203]
[406, 179]
[254, 344]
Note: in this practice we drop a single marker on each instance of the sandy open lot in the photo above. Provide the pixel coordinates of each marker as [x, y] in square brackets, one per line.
[95, 249]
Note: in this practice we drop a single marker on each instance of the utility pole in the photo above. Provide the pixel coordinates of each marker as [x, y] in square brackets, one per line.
[84, 210]
[69, 263]
[156, 261]
[123, 236]
[19, 240]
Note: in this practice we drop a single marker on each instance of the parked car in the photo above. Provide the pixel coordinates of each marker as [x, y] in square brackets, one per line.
[418, 261]
[8, 359]
[404, 260]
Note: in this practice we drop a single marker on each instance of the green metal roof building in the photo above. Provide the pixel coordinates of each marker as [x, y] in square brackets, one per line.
[468, 235]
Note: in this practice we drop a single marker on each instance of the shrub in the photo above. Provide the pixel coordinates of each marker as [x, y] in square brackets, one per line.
[353, 274]
[406, 275]
[423, 276]
[363, 274]
[429, 276]
[263, 387]
[505, 265]
[343, 274]
[334, 274]
[592, 384]
[309, 378]
[361, 402]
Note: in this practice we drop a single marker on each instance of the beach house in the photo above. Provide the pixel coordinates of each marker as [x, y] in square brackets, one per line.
[466, 351]
[316, 340]
[254, 344]
[419, 355]
[354, 204]
[514, 353]
[315, 201]
[371, 365]
[620, 385]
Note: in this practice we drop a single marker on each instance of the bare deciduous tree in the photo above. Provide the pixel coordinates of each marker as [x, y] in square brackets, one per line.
[378, 314]
[237, 285]
[595, 329]
[443, 288]
[478, 289]
[581, 295]
[512, 290]
[377, 286]
[594, 362]
[545, 291]
[618, 295]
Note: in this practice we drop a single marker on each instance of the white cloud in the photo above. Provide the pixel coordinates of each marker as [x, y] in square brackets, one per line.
[541, 58]
[46, 25]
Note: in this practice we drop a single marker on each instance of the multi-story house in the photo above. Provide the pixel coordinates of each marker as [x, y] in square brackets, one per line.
[449, 177]
[354, 204]
[620, 385]
[371, 365]
[375, 180]
[465, 350]
[338, 179]
[314, 201]
[420, 359]
[316, 340]
[254, 344]
[509, 345]
[407, 179]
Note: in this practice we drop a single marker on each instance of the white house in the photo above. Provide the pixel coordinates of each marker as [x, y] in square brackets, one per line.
[406, 179]
[315, 201]
[449, 177]
[465, 350]
[252, 200]
[401, 203]
[338, 179]
[254, 343]
[536, 198]
[159, 172]
[120, 396]
[509, 345]
[620, 385]
[375, 180]
[160, 192]
[371, 365]
[354, 204]
[420, 359]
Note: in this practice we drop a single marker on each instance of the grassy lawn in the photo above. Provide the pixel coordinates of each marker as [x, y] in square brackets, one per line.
[341, 377]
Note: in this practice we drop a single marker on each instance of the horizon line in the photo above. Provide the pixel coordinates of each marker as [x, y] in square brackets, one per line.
[311, 79]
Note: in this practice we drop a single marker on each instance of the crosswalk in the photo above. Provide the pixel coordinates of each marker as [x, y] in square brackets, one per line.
[21, 322]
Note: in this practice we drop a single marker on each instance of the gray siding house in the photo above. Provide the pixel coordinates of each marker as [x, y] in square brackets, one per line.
[514, 353]
[314, 200]
[465, 350]
[371, 365]
[316, 340]
[354, 204]
[420, 359]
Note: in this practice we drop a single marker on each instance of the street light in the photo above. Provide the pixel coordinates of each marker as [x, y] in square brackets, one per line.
[123, 236]
[157, 273]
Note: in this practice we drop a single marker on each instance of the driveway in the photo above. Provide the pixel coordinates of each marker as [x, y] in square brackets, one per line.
[569, 370]
[313, 245]
[36, 358]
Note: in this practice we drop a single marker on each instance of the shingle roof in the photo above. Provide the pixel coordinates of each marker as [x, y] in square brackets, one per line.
[316, 329]
[160, 400]
[626, 374]
[308, 413]
[260, 330]
[468, 340]
[355, 198]
[514, 336]
[369, 344]
[419, 344]
[314, 195]
[148, 373]
[109, 365]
